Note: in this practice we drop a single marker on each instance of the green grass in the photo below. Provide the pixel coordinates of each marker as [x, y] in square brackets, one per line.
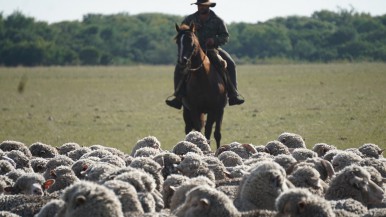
[339, 104]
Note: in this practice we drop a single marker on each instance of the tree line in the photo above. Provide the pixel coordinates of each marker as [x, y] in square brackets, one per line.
[124, 39]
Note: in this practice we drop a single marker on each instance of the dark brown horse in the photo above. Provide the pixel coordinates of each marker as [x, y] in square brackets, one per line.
[205, 87]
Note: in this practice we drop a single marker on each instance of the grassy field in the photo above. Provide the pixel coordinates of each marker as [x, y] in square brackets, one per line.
[338, 104]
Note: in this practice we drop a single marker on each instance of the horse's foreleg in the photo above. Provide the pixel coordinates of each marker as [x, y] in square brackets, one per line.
[188, 121]
[217, 130]
[209, 125]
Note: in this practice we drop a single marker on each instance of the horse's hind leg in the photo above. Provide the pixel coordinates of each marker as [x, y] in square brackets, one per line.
[217, 130]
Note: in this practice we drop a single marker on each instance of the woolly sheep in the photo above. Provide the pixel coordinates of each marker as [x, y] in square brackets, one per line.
[350, 205]
[292, 140]
[38, 164]
[238, 171]
[375, 176]
[9, 145]
[64, 176]
[15, 174]
[149, 141]
[184, 147]
[150, 166]
[59, 160]
[259, 189]
[113, 160]
[354, 182]
[206, 201]
[324, 167]
[146, 152]
[98, 171]
[88, 199]
[371, 150]
[276, 147]
[141, 180]
[144, 183]
[42, 150]
[78, 153]
[355, 151]
[302, 154]
[25, 205]
[127, 195]
[258, 157]
[376, 163]
[217, 167]
[4, 182]
[230, 159]
[115, 151]
[67, 147]
[331, 154]
[169, 185]
[198, 139]
[168, 162]
[193, 165]
[21, 160]
[99, 153]
[8, 214]
[309, 178]
[300, 202]
[30, 184]
[5, 167]
[179, 195]
[51, 208]
[344, 159]
[147, 202]
[286, 161]
[243, 150]
[322, 148]
[81, 165]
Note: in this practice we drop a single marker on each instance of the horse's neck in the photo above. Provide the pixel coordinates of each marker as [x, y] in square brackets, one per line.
[201, 60]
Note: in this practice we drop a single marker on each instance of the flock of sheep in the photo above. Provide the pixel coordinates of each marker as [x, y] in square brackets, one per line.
[281, 178]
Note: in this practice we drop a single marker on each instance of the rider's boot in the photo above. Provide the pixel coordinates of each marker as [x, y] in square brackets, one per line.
[175, 101]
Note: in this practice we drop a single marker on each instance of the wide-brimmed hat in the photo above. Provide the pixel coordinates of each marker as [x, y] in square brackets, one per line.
[204, 2]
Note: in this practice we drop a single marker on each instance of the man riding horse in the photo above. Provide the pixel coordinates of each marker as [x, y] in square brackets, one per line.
[212, 33]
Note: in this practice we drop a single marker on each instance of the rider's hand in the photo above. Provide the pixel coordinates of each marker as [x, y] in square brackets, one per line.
[209, 42]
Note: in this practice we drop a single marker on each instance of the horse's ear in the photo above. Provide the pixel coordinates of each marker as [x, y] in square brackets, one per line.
[177, 28]
[192, 26]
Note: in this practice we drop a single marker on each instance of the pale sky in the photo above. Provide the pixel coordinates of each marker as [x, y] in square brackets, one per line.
[250, 11]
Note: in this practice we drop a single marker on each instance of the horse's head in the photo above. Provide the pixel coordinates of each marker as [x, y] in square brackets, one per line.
[187, 43]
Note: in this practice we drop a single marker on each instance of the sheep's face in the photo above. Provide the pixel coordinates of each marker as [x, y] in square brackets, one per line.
[370, 192]
[194, 206]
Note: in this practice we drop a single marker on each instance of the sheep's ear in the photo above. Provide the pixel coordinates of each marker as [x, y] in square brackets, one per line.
[228, 174]
[80, 200]
[328, 166]
[173, 188]
[381, 151]
[204, 203]
[84, 168]
[53, 174]
[46, 185]
[9, 190]
[249, 148]
[291, 168]
[301, 206]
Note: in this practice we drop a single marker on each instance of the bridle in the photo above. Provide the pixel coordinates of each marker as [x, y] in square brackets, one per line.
[188, 63]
